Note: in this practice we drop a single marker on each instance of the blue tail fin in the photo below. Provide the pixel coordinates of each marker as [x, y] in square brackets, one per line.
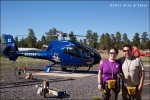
[9, 39]
[11, 48]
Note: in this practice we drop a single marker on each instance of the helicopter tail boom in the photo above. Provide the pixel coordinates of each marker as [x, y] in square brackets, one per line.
[10, 51]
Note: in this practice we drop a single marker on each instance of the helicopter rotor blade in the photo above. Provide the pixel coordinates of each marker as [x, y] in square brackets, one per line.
[27, 35]
[59, 33]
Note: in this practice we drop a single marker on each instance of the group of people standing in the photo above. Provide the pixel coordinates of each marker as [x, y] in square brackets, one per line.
[128, 69]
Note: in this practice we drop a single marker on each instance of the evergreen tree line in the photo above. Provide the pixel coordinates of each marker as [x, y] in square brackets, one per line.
[91, 39]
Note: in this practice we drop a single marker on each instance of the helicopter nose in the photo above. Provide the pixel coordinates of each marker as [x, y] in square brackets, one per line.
[96, 58]
[92, 59]
[97, 61]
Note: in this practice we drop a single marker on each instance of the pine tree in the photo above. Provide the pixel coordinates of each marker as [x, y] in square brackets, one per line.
[101, 42]
[16, 40]
[31, 39]
[144, 40]
[107, 41]
[136, 40]
[72, 37]
[94, 40]
[118, 40]
[89, 37]
[125, 39]
[113, 40]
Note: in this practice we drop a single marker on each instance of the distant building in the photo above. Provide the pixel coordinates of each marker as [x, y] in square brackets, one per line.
[24, 49]
[45, 46]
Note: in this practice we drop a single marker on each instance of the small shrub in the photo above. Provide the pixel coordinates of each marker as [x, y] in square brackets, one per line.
[96, 98]
[2, 76]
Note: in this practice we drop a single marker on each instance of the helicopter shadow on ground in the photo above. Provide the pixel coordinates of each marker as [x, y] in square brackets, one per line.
[84, 71]
[35, 69]
[69, 71]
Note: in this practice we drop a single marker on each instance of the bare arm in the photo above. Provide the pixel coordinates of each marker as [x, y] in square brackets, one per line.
[142, 73]
[101, 62]
[99, 80]
[99, 76]
[141, 81]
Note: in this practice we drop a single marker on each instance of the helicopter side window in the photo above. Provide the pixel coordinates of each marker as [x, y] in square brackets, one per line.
[84, 53]
[76, 52]
[72, 51]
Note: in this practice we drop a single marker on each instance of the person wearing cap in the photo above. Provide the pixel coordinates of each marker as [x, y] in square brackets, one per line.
[107, 73]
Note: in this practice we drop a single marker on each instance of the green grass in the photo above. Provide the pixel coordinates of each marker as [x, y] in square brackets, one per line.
[104, 55]
[2, 77]
[33, 62]
[27, 61]
[22, 62]
[96, 98]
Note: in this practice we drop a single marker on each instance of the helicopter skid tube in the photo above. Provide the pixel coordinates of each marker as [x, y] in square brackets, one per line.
[71, 69]
[89, 68]
[65, 68]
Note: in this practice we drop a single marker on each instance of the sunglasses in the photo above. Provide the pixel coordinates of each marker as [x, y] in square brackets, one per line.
[126, 50]
[112, 53]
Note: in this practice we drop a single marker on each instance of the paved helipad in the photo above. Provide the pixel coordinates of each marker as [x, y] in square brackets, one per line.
[63, 74]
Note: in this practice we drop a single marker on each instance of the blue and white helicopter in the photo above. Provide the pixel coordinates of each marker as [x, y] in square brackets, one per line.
[65, 53]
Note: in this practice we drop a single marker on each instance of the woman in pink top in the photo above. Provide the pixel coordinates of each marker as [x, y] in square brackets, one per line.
[109, 70]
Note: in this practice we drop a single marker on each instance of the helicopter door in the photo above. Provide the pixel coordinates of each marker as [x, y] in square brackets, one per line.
[87, 55]
[72, 56]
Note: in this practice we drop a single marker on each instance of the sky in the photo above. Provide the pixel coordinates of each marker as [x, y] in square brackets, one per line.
[78, 16]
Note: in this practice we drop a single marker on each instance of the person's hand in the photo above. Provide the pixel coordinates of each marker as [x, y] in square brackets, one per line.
[101, 62]
[100, 87]
[119, 76]
[140, 88]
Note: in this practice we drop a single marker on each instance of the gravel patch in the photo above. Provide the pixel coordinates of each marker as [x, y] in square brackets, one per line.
[77, 88]
[84, 88]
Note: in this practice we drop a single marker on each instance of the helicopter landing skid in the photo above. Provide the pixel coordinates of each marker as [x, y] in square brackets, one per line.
[74, 69]
[48, 68]
[71, 70]
[66, 69]
[89, 68]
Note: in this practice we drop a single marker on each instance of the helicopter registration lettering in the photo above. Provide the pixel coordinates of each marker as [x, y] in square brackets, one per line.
[30, 54]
